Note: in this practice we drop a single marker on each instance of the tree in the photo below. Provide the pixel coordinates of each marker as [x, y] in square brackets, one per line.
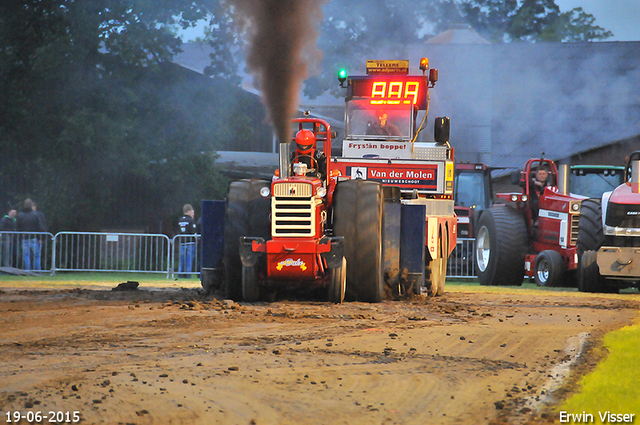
[354, 31]
[87, 97]
[530, 20]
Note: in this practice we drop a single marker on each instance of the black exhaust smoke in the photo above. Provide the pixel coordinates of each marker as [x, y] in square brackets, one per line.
[282, 42]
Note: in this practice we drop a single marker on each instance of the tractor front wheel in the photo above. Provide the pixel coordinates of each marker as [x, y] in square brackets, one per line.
[501, 246]
[338, 283]
[549, 268]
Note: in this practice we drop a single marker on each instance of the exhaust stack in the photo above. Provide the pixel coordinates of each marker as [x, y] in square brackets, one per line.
[635, 176]
[285, 154]
[564, 176]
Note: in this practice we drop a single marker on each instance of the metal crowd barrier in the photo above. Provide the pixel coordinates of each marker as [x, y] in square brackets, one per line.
[29, 251]
[461, 264]
[112, 252]
[186, 251]
[140, 253]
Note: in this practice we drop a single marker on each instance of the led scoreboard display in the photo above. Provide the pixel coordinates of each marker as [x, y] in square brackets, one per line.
[390, 90]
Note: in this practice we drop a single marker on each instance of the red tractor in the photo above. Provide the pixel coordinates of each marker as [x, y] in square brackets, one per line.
[275, 232]
[533, 234]
[377, 221]
[610, 239]
[472, 196]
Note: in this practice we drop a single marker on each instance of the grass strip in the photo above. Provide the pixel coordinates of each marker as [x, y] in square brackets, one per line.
[613, 386]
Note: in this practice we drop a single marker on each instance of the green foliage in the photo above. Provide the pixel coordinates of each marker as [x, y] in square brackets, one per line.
[531, 20]
[354, 31]
[96, 124]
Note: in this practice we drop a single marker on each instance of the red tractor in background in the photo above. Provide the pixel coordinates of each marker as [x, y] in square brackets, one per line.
[472, 196]
[610, 238]
[533, 234]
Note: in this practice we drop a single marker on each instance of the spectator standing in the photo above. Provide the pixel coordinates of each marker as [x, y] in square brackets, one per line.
[187, 225]
[29, 220]
[43, 226]
[8, 224]
[41, 219]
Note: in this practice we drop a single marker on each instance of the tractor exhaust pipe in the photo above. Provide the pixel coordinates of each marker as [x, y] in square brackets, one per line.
[635, 176]
[564, 174]
[285, 154]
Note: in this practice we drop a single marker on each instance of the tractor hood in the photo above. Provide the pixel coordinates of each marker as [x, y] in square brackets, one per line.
[623, 208]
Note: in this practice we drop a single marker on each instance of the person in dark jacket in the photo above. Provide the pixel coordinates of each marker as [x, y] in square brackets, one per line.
[30, 221]
[8, 224]
[187, 225]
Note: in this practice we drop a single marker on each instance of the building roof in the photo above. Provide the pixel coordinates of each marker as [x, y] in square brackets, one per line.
[510, 102]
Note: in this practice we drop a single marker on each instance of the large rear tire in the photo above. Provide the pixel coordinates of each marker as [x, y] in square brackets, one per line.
[549, 268]
[590, 236]
[338, 283]
[501, 246]
[357, 215]
[247, 214]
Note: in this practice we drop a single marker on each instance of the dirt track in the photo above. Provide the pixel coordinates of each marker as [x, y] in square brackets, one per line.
[175, 357]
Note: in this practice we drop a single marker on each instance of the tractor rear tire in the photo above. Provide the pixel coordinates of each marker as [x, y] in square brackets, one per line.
[549, 268]
[338, 283]
[589, 278]
[590, 236]
[357, 216]
[247, 214]
[501, 245]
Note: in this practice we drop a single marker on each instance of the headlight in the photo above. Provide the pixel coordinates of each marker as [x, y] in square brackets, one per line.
[514, 197]
[575, 207]
[525, 198]
[321, 192]
[265, 191]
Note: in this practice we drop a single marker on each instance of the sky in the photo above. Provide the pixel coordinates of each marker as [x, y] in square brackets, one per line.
[621, 17]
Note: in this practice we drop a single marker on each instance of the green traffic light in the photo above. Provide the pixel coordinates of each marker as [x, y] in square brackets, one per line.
[342, 76]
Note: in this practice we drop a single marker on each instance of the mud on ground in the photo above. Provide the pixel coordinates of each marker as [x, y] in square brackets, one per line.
[175, 356]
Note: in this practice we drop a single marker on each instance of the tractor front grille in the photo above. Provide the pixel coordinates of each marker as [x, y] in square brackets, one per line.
[575, 219]
[292, 190]
[293, 210]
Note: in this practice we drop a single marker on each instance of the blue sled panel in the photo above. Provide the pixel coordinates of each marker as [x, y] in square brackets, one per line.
[212, 234]
[413, 231]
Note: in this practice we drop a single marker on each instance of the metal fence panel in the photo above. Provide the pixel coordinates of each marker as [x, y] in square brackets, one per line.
[140, 253]
[461, 264]
[30, 251]
[186, 252]
[112, 252]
